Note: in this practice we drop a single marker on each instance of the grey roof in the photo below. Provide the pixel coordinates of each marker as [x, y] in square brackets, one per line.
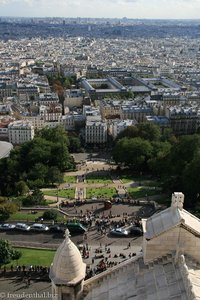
[5, 149]
[168, 219]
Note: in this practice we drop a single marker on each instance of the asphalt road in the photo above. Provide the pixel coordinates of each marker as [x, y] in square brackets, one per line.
[94, 238]
[52, 240]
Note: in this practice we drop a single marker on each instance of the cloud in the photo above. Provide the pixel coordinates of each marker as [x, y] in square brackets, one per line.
[102, 8]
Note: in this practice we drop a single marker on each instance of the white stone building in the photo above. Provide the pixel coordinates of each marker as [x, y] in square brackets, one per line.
[95, 132]
[47, 98]
[37, 121]
[116, 126]
[51, 112]
[167, 269]
[73, 98]
[20, 132]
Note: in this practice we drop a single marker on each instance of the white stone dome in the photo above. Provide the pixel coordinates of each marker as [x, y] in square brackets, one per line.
[67, 267]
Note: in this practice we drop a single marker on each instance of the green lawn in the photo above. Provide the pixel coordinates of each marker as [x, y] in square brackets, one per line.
[142, 179]
[98, 179]
[139, 192]
[101, 192]
[65, 193]
[70, 179]
[126, 178]
[27, 216]
[51, 201]
[34, 257]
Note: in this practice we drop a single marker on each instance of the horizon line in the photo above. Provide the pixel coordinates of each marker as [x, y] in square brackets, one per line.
[100, 18]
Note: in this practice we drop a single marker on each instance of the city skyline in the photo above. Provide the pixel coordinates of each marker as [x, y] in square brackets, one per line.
[140, 9]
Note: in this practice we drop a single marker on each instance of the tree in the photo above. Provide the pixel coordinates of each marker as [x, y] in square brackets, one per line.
[21, 188]
[191, 181]
[7, 253]
[129, 132]
[63, 161]
[159, 161]
[54, 175]
[133, 153]
[6, 209]
[55, 135]
[36, 198]
[183, 152]
[50, 214]
[29, 163]
[147, 131]
[74, 144]
[39, 171]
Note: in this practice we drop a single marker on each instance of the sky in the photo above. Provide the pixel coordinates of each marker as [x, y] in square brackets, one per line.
[139, 9]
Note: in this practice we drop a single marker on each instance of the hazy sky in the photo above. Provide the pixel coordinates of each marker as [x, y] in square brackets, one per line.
[170, 9]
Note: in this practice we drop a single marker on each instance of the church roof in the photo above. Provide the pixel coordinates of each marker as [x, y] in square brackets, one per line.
[164, 276]
[133, 280]
[169, 218]
[67, 267]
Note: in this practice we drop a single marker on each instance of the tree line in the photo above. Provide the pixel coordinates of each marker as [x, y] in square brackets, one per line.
[174, 160]
[36, 163]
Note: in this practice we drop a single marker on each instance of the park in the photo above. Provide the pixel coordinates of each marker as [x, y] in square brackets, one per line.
[82, 196]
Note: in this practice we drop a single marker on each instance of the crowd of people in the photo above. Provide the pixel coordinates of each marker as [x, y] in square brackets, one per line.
[106, 261]
[25, 271]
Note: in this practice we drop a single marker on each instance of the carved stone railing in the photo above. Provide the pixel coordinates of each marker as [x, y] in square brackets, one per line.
[88, 284]
[191, 295]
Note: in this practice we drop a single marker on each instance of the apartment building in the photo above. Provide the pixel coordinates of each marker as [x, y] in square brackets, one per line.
[37, 121]
[110, 108]
[73, 98]
[183, 120]
[20, 132]
[135, 112]
[7, 89]
[162, 121]
[5, 109]
[95, 132]
[116, 126]
[48, 98]
[27, 89]
[51, 113]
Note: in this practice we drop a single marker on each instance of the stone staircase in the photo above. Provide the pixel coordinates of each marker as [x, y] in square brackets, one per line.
[80, 193]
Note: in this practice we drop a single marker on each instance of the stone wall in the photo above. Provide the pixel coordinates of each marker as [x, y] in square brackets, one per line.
[177, 239]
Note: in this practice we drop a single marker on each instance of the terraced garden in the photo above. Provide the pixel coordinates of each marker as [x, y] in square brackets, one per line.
[64, 193]
[139, 192]
[101, 192]
[98, 179]
[70, 179]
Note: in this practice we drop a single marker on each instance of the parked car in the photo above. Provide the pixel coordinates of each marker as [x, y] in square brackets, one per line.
[119, 232]
[56, 229]
[75, 228]
[134, 230]
[39, 227]
[22, 227]
[7, 226]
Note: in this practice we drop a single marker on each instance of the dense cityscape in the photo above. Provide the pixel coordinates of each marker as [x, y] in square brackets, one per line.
[99, 152]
